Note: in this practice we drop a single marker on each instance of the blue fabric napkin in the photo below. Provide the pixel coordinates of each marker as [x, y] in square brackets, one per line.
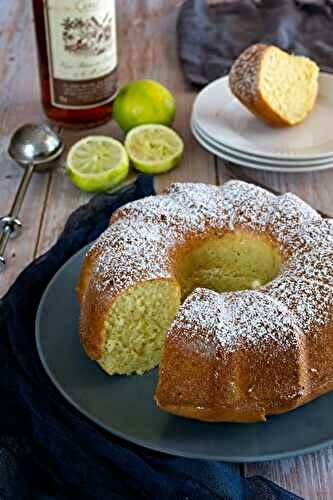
[48, 450]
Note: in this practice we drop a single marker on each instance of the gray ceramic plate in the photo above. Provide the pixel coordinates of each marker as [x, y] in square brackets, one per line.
[125, 406]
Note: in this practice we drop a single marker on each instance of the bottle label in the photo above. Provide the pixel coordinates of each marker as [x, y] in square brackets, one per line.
[82, 51]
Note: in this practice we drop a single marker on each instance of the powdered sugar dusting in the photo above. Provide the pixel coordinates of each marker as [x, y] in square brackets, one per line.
[139, 243]
[243, 76]
[125, 251]
[249, 317]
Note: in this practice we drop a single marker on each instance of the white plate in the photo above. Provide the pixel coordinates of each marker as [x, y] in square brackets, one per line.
[253, 164]
[223, 117]
[286, 162]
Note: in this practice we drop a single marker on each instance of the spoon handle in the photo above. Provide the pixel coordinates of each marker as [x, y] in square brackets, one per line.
[3, 243]
[11, 226]
[20, 194]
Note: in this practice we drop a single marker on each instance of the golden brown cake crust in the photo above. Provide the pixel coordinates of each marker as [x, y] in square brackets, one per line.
[244, 84]
[244, 74]
[237, 356]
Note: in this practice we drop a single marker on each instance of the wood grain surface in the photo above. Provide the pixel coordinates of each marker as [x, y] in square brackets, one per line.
[147, 43]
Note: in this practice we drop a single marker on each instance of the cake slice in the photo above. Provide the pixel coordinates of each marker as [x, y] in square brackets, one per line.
[279, 88]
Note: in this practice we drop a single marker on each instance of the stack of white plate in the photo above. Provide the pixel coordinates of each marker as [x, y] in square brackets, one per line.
[223, 126]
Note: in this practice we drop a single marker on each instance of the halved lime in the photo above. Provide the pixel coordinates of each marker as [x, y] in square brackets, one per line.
[154, 149]
[97, 163]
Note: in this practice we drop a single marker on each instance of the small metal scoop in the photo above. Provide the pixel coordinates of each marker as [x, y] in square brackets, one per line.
[33, 147]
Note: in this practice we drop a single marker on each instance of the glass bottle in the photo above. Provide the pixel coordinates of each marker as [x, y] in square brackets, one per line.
[77, 54]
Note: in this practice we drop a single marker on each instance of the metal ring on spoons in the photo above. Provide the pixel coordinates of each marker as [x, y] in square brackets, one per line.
[33, 147]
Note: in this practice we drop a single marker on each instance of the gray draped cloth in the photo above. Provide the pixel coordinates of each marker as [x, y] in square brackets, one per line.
[212, 33]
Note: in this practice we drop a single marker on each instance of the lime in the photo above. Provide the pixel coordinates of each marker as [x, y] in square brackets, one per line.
[97, 163]
[154, 149]
[141, 102]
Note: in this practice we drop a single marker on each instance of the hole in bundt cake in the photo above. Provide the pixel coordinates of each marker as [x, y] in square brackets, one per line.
[237, 261]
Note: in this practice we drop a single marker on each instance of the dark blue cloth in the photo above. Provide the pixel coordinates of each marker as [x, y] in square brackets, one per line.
[48, 450]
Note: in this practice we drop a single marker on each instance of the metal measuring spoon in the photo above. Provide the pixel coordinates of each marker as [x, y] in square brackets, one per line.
[33, 147]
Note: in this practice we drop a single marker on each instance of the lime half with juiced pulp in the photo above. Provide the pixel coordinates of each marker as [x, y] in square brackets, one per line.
[97, 163]
[154, 149]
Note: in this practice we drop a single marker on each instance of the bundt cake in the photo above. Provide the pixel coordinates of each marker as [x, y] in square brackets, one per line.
[279, 88]
[230, 287]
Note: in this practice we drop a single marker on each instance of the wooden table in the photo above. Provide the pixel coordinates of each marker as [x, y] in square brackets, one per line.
[147, 44]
